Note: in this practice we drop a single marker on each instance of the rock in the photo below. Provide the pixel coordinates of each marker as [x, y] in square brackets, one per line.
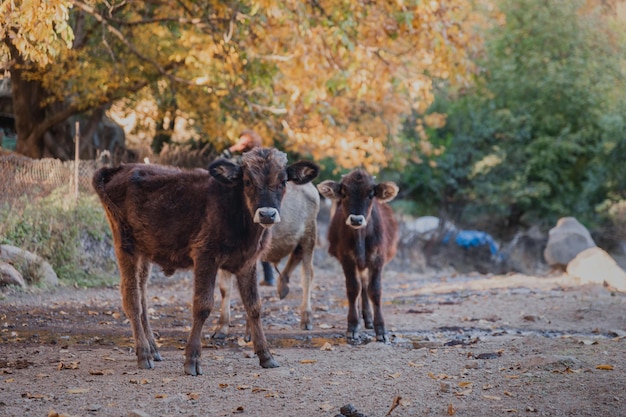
[10, 276]
[348, 410]
[524, 253]
[40, 270]
[566, 240]
[594, 265]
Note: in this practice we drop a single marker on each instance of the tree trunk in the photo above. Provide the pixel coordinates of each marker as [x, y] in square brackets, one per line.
[27, 111]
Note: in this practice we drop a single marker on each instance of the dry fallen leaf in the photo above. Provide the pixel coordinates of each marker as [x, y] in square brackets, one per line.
[605, 367]
[464, 392]
[242, 342]
[464, 384]
[101, 372]
[325, 406]
[327, 346]
[451, 410]
[193, 396]
[223, 385]
[395, 376]
[78, 390]
[305, 361]
[34, 396]
[160, 396]
[243, 387]
[394, 405]
[71, 365]
[492, 397]
[53, 413]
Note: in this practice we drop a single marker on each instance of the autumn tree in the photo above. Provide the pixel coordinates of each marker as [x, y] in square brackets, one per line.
[325, 78]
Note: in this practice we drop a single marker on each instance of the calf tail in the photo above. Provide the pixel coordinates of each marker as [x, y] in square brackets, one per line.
[99, 181]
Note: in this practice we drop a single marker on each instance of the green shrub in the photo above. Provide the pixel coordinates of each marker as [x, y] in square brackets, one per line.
[53, 227]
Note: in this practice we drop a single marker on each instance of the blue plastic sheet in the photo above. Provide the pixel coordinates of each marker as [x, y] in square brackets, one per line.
[471, 238]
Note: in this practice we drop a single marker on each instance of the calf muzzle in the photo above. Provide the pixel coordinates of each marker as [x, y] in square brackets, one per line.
[356, 221]
[266, 216]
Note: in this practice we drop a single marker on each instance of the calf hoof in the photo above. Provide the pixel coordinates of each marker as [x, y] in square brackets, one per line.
[369, 324]
[352, 335]
[266, 360]
[382, 338]
[283, 290]
[192, 367]
[305, 321]
[156, 356]
[218, 335]
[145, 363]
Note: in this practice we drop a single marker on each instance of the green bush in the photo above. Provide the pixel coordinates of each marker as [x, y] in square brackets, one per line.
[53, 228]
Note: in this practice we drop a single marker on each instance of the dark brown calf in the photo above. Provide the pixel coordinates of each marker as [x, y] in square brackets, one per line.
[205, 220]
[362, 235]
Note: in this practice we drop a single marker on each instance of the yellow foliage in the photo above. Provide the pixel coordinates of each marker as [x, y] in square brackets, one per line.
[38, 29]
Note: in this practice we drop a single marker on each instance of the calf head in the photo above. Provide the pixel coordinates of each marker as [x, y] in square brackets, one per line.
[263, 176]
[356, 193]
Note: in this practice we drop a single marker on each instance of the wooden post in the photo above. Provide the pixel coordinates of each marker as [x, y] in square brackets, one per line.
[76, 158]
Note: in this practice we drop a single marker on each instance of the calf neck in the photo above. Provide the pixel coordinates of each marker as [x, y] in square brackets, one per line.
[204, 220]
[363, 236]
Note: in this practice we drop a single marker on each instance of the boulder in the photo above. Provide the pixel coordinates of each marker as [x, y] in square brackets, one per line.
[524, 253]
[566, 240]
[594, 265]
[39, 270]
[10, 276]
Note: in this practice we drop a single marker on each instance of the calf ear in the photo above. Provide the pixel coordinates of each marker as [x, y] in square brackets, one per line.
[329, 189]
[386, 191]
[302, 172]
[226, 172]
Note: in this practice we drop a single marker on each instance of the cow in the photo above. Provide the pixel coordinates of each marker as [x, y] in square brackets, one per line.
[200, 219]
[295, 236]
[362, 235]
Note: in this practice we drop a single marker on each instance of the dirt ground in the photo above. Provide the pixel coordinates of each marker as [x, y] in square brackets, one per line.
[464, 346]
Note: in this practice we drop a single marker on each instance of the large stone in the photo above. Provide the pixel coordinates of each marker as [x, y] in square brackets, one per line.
[524, 253]
[10, 275]
[40, 270]
[594, 265]
[566, 240]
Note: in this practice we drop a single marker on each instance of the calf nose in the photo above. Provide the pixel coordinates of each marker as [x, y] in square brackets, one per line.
[356, 221]
[266, 216]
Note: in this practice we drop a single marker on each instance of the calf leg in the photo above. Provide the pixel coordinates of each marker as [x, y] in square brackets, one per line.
[353, 288]
[375, 294]
[283, 282]
[144, 269]
[366, 310]
[306, 314]
[133, 303]
[246, 280]
[225, 283]
[203, 300]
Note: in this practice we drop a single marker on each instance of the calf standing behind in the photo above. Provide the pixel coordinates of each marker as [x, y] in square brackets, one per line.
[295, 236]
[363, 236]
[205, 220]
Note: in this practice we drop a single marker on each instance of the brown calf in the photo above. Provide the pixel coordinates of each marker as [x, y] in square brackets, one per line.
[295, 236]
[205, 220]
[362, 235]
